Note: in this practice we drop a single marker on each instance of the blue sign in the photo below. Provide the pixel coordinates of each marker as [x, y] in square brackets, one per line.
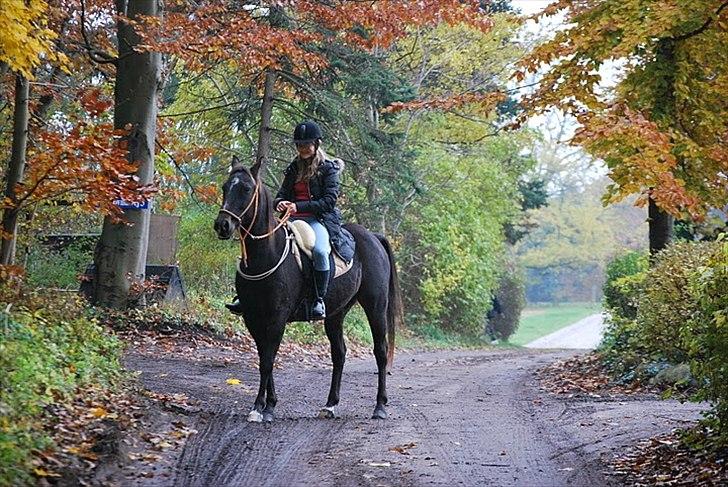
[132, 205]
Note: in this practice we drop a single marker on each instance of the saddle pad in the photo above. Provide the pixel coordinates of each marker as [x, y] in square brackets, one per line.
[305, 239]
[305, 236]
[341, 266]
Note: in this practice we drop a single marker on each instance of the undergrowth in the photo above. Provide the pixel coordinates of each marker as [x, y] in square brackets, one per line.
[51, 348]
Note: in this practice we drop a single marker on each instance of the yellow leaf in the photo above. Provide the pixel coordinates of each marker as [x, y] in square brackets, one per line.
[98, 412]
[41, 472]
[233, 382]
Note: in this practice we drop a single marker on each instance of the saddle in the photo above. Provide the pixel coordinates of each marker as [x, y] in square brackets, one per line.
[305, 239]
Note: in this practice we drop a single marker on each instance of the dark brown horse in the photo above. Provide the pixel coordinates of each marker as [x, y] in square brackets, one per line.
[271, 287]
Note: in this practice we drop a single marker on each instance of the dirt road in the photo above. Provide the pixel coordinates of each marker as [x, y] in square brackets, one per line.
[455, 418]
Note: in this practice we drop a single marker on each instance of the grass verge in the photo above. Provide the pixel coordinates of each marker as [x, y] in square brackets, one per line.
[539, 321]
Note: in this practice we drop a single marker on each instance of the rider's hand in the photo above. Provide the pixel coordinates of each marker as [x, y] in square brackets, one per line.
[286, 206]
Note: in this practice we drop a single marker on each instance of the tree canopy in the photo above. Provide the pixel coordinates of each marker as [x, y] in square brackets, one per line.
[662, 129]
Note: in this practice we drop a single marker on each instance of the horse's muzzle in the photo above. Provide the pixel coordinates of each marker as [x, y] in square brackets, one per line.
[224, 227]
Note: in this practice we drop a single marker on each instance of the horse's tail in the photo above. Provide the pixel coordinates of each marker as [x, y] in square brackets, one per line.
[395, 310]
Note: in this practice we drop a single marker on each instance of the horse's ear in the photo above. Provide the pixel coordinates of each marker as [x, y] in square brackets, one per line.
[236, 164]
[255, 168]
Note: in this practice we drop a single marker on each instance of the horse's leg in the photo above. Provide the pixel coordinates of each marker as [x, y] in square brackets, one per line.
[375, 308]
[267, 346]
[335, 331]
[271, 398]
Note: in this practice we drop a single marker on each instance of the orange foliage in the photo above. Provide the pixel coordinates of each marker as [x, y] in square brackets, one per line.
[213, 31]
[663, 130]
[487, 100]
[82, 163]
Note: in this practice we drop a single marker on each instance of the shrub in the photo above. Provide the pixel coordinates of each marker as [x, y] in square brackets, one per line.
[207, 264]
[49, 348]
[666, 304]
[511, 299]
[706, 336]
[648, 309]
[58, 268]
[629, 264]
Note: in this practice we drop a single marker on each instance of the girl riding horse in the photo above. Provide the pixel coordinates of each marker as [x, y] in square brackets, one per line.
[271, 286]
[309, 192]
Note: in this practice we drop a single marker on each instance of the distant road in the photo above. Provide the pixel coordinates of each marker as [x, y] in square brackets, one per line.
[584, 334]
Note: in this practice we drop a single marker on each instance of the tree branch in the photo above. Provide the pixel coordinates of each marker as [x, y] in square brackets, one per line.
[193, 191]
[96, 55]
[703, 27]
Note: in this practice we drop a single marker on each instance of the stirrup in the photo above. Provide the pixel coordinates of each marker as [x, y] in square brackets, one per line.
[318, 310]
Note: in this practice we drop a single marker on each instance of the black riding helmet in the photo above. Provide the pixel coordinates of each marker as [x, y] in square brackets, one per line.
[306, 132]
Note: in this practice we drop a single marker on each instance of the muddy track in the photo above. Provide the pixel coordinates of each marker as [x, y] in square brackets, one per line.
[455, 418]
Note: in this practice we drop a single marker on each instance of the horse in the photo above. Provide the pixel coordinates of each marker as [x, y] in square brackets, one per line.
[270, 286]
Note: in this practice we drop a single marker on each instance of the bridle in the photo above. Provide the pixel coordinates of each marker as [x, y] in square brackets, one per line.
[248, 234]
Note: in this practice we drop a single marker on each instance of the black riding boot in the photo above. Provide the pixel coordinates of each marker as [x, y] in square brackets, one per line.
[235, 307]
[321, 281]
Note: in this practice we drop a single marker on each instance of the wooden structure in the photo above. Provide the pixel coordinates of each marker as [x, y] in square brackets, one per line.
[163, 281]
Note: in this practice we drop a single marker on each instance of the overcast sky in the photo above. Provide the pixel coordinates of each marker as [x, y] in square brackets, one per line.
[529, 7]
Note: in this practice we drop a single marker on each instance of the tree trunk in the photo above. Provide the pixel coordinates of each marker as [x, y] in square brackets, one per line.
[663, 113]
[266, 111]
[660, 228]
[15, 169]
[3, 69]
[121, 253]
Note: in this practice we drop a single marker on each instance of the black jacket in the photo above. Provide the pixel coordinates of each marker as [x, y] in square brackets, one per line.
[324, 189]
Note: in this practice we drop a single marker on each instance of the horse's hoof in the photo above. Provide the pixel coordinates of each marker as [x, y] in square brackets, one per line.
[255, 417]
[327, 412]
[268, 416]
[379, 413]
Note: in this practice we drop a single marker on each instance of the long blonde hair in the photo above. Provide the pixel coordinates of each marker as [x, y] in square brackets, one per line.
[306, 169]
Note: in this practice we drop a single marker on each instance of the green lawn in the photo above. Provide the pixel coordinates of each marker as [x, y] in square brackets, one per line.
[542, 320]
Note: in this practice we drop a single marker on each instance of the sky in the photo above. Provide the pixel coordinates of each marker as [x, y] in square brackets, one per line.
[529, 7]
[542, 123]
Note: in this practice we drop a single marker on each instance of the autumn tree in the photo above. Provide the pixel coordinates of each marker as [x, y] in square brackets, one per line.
[23, 40]
[74, 155]
[289, 47]
[566, 254]
[121, 252]
[662, 131]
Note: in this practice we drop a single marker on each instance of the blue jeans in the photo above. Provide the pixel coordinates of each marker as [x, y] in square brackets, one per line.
[322, 249]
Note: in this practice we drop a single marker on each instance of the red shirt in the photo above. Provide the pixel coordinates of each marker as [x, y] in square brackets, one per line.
[301, 193]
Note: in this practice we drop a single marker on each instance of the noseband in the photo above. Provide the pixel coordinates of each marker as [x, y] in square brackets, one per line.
[248, 234]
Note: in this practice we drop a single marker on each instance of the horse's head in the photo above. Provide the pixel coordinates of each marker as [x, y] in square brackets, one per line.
[238, 195]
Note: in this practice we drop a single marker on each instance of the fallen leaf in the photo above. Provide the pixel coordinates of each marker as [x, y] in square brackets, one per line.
[402, 449]
[98, 412]
[233, 382]
[41, 472]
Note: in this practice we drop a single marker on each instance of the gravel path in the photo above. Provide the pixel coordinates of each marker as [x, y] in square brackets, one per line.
[455, 418]
[584, 334]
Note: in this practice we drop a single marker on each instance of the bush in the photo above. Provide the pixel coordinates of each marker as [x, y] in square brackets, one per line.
[629, 264]
[511, 299]
[647, 310]
[706, 336]
[49, 348]
[666, 304]
[58, 268]
[207, 264]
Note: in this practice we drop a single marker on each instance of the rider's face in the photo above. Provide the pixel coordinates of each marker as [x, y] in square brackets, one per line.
[306, 151]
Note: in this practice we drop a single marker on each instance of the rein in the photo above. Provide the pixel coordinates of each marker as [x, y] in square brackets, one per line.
[248, 234]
